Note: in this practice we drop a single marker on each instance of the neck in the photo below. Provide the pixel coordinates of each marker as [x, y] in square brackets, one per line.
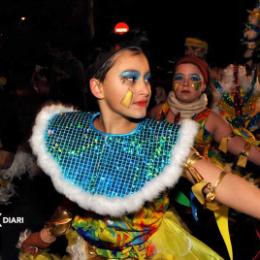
[114, 123]
[187, 110]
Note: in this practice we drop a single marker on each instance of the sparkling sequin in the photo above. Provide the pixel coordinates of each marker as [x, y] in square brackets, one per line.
[109, 164]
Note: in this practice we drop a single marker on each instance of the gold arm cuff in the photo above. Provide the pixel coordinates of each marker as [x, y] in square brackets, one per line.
[199, 191]
[210, 190]
[204, 191]
[194, 156]
[242, 159]
[192, 159]
[223, 145]
[206, 195]
[60, 222]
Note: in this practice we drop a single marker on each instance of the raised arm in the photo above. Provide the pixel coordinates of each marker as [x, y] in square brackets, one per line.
[235, 144]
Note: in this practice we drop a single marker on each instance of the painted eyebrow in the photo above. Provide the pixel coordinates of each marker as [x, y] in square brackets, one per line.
[195, 75]
[178, 75]
[130, 73]
[147, 75]
[190, 75]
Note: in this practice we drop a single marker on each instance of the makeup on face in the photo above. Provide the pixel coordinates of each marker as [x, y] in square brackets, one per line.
[131, 76]
[194, 80]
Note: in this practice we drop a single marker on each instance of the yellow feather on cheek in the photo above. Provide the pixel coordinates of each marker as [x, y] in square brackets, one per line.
[127, 99]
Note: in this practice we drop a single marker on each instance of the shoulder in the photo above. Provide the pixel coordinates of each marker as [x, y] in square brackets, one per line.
[215, 117]
[216, 121]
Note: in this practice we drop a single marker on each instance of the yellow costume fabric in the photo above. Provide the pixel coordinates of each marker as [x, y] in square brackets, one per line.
[155, 232]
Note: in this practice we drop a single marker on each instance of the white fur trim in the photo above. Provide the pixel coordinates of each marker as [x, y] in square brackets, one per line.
[23, 162]
[100, 204]
[22, 237]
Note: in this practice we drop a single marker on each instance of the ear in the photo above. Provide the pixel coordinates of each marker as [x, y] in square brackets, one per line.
[96, 88]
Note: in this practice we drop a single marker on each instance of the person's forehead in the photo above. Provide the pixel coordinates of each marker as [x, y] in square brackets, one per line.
[129, 59]
[188, 66]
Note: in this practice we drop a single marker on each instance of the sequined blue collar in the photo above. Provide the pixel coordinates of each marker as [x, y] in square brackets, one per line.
[109, 174]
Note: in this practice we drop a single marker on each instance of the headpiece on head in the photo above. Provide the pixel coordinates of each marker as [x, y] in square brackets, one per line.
[200, 63]
[196, 46]
[112, 44]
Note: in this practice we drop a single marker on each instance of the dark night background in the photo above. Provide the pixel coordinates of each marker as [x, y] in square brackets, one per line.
[64, 22]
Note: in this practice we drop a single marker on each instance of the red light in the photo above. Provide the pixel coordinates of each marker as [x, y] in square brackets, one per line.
[121, 28]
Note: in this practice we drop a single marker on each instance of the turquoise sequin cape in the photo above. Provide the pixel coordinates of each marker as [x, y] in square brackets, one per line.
[112, 174]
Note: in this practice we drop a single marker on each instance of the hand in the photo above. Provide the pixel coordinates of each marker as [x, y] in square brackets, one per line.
[37, 240]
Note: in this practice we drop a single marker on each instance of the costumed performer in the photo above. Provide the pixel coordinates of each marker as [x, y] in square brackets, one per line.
[117, 165]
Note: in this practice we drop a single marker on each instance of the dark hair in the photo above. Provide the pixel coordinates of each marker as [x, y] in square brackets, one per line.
[101, 58]
[101, 61]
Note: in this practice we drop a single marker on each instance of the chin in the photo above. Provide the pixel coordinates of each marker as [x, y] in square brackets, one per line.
[139, 115]
[187, 99]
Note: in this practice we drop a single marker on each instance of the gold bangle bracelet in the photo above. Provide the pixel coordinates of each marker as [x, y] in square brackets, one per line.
[220, 178]
[193, 158]
[210, 190]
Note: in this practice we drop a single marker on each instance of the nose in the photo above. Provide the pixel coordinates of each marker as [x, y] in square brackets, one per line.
[143, 88]
[185, 81]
